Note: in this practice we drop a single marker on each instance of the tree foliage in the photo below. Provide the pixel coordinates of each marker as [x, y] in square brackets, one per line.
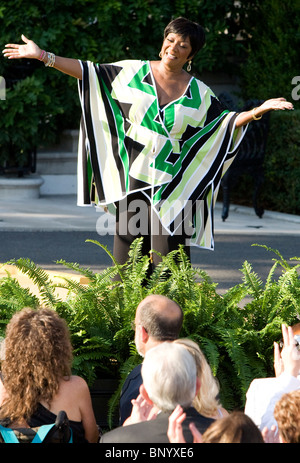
[273, 53]
[41, 102]
[45, 102]
[281, 187]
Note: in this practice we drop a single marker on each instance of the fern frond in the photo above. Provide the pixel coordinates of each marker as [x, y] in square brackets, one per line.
[14, 297]
[77, 268]
[238, 357]
[211, 351]
[117, 265]
[71, 285]
[39, 277]
[269, 285]
[287, 295]
[235, 295]
[283, 262]
[251, 280]
[106, 276]
[135, 252]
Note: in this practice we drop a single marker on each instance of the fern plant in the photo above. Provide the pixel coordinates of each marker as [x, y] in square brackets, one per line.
[237, 340]
[13, 298]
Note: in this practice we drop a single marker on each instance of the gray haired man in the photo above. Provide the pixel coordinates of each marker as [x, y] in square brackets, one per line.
[169, 378]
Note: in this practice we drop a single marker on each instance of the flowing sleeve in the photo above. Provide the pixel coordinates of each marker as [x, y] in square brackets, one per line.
[102, 159]
[117, 132]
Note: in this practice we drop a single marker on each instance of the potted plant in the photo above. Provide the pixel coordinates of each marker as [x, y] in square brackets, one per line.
[237, 341]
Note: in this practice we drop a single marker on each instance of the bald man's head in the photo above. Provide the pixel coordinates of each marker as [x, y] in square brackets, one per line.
[160, 316]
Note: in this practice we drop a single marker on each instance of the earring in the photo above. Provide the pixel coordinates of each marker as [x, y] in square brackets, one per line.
[160, 54]
[189, 66]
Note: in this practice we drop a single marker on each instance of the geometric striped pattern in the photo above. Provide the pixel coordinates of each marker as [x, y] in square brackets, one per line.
[128, 143]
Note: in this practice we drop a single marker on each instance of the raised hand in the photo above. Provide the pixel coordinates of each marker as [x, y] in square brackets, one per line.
[276, 104]
[278, 363]
[270, 436]
[256, 113]
[31, 50]
[175, 434]
[141, 411]
[16, 51]
[290, 354]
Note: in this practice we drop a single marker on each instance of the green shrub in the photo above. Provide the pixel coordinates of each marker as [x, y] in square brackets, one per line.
[29, 121]
[273, 51]
[237, 341]
[272, 63]
[281, 191]
[281, 188]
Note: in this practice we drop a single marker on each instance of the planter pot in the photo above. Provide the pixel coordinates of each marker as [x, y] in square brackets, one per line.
[12, 188]
[101, 391]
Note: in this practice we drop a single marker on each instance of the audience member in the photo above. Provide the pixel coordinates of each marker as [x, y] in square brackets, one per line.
[157, 319]
[263, 393]
[287, 416]
[206, 401]
[235, 428]
[169, 376]
[36, 378]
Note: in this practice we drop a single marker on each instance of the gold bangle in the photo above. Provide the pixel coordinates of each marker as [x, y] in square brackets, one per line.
[50, 60]
[256, 118]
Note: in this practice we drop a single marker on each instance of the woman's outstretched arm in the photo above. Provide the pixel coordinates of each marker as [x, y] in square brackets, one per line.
[256, 113]
[31, 50]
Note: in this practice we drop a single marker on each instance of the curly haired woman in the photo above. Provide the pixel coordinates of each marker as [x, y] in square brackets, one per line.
[36, 376]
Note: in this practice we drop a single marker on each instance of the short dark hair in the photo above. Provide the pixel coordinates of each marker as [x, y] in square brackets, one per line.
[159, 324]
[187, 28]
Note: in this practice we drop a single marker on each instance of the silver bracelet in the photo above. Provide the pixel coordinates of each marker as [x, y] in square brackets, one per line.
[51, 60]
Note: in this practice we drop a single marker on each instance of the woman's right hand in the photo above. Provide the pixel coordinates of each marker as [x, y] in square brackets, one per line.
[69, 66]
[290, 354]
[29, 50]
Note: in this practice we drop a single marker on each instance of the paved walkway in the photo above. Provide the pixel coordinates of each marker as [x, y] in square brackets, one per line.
[60, 213]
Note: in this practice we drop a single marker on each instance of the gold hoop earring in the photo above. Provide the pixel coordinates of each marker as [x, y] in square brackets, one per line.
[189, 66]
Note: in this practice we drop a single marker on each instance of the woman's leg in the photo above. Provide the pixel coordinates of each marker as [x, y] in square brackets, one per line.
[135, 219]
[131, 223]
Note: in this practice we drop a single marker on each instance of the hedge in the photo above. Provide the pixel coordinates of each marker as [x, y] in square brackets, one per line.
[281, 189]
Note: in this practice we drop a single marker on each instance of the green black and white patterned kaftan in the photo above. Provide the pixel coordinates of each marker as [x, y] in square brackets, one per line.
[128, 143]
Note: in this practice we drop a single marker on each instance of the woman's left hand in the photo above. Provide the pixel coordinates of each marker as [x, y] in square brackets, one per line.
[275, 104]
[290, 354]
